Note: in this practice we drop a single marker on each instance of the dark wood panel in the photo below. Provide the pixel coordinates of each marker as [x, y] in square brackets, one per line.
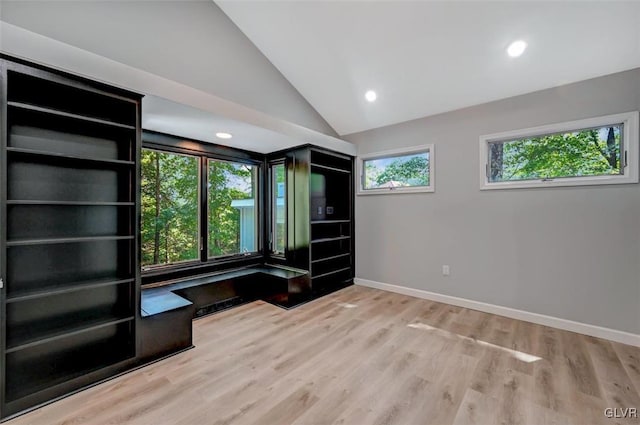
[38, 91]
[330, 248]
[330, 194]
[37, 181]
[40, 131]
[29, 137]
[62, 264]
[329, 265]
[329, 230]
[50, 221]
[41, 318]
[298, 232]
[46, 365]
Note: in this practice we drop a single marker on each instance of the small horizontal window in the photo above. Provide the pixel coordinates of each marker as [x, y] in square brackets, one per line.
[400, 171]
[594, 151]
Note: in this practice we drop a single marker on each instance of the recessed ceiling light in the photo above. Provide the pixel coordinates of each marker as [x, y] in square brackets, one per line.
[371, 96]
[516, 48]
[224, 135]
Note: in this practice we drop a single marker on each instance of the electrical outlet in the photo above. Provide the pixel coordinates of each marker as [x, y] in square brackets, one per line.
[446, 271]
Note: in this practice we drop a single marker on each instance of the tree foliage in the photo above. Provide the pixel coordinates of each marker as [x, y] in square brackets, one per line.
[169, 208]
[402, 171]
[170, 214]
[584, 153]
[227, 182]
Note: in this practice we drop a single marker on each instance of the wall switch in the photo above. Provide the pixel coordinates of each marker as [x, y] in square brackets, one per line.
[445, 270]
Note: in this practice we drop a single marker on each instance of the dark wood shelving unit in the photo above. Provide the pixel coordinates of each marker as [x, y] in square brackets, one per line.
[331, 220]
[337, 238]
[66, 240]
[68, 252]
[75, 203]
[65, 288]
[319, 216]
[67, 115]
[84, 161]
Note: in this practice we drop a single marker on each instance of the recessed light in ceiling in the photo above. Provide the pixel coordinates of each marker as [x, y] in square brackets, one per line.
[224, 135]
[371, 96]
[516, 48]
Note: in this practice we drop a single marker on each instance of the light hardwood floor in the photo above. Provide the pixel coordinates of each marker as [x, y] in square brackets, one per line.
[367, 357]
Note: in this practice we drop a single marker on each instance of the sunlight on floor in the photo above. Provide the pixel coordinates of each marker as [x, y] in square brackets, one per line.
[522, 356]
[347, 305]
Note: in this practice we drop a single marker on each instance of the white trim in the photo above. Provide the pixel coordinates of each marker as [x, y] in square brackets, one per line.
[541, 319]
[630, 145]
[397, 152]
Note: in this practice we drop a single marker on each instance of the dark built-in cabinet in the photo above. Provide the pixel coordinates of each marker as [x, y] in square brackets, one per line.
[72, 309]
[68, 255]
[320, 227]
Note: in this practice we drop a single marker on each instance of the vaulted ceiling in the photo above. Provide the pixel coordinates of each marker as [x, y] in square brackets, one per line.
[426, 57]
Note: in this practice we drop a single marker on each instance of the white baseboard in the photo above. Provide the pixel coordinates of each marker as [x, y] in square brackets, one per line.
[541, 319]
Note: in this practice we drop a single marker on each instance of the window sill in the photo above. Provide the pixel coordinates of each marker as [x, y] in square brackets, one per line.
[560, 182]
[193, 268]
[396, 191]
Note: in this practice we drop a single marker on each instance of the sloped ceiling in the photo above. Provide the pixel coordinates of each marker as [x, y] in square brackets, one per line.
[424, 58]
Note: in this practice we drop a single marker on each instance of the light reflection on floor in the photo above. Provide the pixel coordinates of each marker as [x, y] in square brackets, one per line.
[520, 355]
[347, 305]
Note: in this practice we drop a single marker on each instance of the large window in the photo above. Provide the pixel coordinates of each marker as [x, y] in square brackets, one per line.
[232, 208]
[406, 170]
[197, 209]
[595, 151]
[278, 211]
[170, 225]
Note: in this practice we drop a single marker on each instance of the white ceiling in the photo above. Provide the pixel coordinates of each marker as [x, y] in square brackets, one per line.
[426, 57]
[169, 106]
[165, 116]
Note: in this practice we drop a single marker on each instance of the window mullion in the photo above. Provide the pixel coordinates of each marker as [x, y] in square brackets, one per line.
[204, 209]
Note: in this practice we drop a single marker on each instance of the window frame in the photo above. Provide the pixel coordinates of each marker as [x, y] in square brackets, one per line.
[256, 182]
[430, 148]
[628, 153]
[204, 151]
[273, 208]
[183, 263]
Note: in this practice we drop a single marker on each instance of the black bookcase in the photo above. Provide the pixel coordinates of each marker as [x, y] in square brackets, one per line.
[68, 254]
[320, 226]
[331, 220]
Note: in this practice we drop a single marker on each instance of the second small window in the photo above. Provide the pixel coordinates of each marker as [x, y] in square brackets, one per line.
[406, 170]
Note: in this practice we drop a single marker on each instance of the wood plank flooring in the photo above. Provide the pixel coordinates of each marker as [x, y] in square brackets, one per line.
[367, 357]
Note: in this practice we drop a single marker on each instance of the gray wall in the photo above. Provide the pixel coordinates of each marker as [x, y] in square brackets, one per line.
[572, 253]
[191, 42]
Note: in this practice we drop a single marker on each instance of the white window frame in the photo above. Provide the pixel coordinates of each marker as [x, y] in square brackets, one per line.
[628, 155]
[398, 152]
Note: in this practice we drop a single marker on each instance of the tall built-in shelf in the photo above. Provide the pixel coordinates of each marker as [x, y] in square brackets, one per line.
[331, 220]
[70, 298]
[319, 217]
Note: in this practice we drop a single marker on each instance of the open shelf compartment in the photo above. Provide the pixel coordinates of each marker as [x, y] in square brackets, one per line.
[29, 89]
[45, 365]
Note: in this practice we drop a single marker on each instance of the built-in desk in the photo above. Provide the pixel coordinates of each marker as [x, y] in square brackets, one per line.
[167, 310]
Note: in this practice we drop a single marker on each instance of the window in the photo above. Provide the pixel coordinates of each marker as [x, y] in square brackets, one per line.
[170, 224]
[399, 171]
[232, 208]
[599, 150]
[278, 211]
[197, 209]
